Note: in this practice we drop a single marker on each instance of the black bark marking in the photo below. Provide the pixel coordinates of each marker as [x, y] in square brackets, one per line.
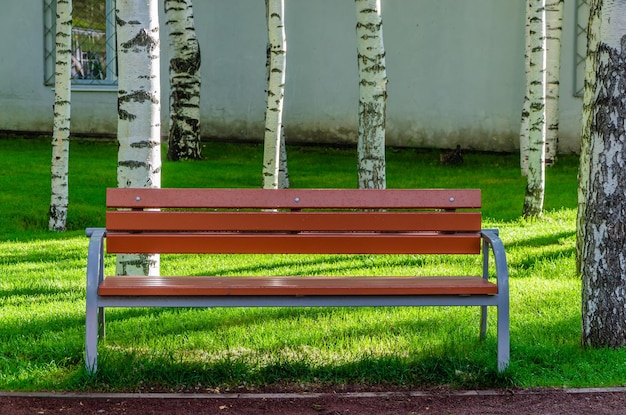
[143, 39]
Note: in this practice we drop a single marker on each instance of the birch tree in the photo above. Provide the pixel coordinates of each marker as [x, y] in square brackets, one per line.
[273, 143]
[139, 155]
[603, 256]
[553, 31]
[535, 187]
[185, 82]
[591, 65]
[59, 199]
[524, 142]
[372, 95]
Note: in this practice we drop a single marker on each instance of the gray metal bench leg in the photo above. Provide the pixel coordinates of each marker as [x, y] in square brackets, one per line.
[91, 337]
[503, 336]
[483, 323]
[94, 315]
[101, 326]
[483, 309]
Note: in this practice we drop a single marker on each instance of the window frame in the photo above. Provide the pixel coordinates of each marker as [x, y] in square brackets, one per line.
[49, 21]
[581, 22]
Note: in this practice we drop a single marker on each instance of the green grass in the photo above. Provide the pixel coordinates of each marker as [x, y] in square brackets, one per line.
[42, 289]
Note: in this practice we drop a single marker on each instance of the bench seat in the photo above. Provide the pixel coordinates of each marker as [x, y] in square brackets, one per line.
[293, 286]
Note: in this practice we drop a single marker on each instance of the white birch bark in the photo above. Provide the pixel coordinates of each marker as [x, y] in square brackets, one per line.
[524, 142]
[275, 93]
[139, 156]
[554, 29]
[535, 187]
[283, 170]
[185, 82]
[59, 199]
[372, 95]
[604, 256]
[591, 65]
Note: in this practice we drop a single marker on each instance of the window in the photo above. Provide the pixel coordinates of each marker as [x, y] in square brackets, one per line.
[93, 42]
[580, 46]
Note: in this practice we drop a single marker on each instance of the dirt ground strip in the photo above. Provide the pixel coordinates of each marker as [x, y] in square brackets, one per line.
[545, 401]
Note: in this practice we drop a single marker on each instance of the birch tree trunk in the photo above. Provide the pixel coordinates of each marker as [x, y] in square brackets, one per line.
[591, 65]
[554, 29]
[604, 256]
[372, 95]
[524, 142]
[535, 187]
[139, 156]
[283, 170]
[273, 138]
[185, 81]
[59, 199]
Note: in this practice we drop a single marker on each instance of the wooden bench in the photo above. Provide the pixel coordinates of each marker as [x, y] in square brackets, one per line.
[290, 221]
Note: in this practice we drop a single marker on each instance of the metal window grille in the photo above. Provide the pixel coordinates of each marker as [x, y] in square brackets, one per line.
[580, 45]
[94, 60]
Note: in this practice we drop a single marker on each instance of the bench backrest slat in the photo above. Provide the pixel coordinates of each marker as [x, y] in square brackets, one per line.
[150, 221]
[313, 243]
[295, 198]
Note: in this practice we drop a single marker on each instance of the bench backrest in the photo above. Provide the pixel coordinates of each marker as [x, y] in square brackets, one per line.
[324, 221]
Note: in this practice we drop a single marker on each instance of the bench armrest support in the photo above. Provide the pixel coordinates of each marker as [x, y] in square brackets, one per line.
[94, 314]
[492, 241]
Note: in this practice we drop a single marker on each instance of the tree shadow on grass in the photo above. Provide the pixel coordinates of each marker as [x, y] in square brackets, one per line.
[541, 240]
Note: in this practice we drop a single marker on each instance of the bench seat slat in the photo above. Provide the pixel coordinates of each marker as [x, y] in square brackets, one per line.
[300, 243]
[147, 221]
[294, 286]
[295, 198]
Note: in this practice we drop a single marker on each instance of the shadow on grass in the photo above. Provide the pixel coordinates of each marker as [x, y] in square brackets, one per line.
[167, 373]
[292, 356]
[540, 240]
[37, 293]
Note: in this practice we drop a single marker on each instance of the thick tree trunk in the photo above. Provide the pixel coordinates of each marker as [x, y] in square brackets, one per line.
[277, 49]
[185, 81]
[61, 132]
[604, 256]
[591, 65]
[535, 187]
[554, 29]
[139, 156]
[372, 95]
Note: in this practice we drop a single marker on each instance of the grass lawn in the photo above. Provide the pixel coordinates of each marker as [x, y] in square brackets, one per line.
[42, 288]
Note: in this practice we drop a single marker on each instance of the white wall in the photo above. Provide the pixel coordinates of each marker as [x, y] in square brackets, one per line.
[455, 73]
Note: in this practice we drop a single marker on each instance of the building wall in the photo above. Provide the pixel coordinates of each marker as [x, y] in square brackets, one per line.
[455, 68]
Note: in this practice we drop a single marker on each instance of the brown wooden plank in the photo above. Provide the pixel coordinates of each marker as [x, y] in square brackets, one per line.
[294, 286]
[304, 243]
[295, 198]
[293, 221]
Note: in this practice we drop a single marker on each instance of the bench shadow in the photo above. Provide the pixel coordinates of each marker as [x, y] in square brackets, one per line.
[239, 366]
